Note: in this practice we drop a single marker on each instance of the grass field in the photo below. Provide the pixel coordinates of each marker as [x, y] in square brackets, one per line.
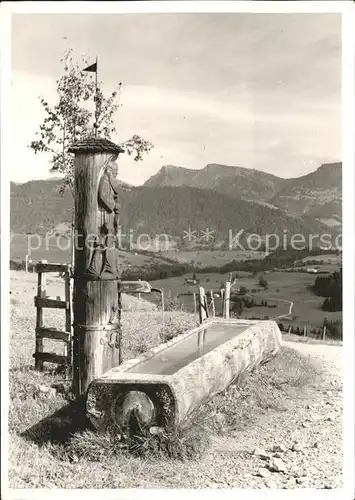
[292, 287]
[52, 447]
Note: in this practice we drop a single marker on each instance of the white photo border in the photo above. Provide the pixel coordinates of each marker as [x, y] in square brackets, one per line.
[346, 9]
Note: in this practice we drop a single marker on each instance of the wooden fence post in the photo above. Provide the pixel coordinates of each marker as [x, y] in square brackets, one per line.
[212, 304]
[163, 309]
[72, 246]
[195, 303]
[69, 318]
[39, 320]
[202, 304]
[324, 327]
[43, 281]
[97, 292]
[226, 302]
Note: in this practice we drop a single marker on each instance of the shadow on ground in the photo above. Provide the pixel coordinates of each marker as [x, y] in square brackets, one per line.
[59, 427]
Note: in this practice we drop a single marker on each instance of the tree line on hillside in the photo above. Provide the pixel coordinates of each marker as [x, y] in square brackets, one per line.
[330, 287]
[164, 210]
[172, 210]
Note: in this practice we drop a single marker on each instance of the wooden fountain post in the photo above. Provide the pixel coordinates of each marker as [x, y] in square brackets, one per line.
[202, 309]
[97, 297]
[226, 302]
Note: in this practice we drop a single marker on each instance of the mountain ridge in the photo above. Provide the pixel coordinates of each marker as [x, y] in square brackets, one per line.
[310, 204]
[262, 187]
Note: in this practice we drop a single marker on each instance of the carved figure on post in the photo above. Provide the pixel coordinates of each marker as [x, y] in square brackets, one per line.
[103, 261]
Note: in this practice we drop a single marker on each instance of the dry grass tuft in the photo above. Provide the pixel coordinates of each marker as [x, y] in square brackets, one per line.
[293, 370]
[91, 446]
[189, 441]
[268, 387]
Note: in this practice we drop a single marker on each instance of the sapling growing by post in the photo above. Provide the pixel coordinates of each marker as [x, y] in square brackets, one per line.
[72, 118]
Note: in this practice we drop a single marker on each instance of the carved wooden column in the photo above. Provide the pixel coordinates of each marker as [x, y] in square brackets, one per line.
[97, 297]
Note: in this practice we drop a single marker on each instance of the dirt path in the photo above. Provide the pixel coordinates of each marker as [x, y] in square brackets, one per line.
[289, 302]
[315, 423]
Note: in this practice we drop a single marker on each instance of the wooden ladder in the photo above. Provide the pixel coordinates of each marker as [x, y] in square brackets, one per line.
[42, 301]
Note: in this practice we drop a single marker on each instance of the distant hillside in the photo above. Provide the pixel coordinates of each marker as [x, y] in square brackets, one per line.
[313, 203]
[310, 193]
[173, 210]
[318, 193]
[237, 182]
[37, 206]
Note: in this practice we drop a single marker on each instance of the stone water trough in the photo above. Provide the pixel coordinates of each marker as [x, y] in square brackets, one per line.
[161, 387]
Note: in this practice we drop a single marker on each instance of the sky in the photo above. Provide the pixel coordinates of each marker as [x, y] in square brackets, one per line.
[260, 91]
